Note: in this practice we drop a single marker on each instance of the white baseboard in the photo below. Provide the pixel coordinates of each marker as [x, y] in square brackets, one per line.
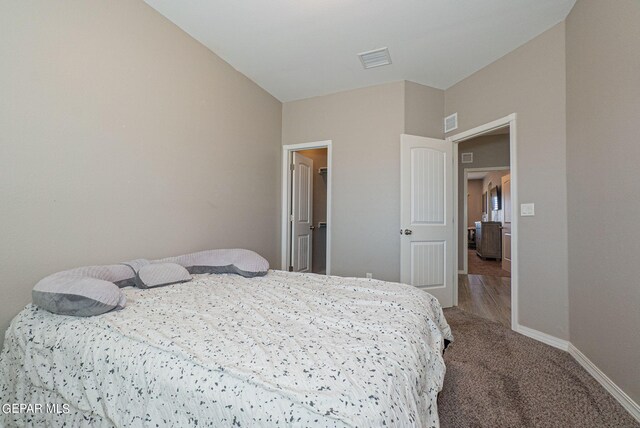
[621, 397]
[542, 337]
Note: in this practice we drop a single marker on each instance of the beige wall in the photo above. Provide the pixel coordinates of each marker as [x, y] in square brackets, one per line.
[489, 151]
[365, 127]
[530, 81]
[319, 157]
[423, 108]
[122, 137]
[603, 148]
[492, 179]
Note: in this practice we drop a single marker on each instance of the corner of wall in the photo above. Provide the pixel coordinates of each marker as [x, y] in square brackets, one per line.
[423, 110]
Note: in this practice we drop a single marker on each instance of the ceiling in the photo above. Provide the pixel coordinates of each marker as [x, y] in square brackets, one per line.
[477, 175]
[297, 49]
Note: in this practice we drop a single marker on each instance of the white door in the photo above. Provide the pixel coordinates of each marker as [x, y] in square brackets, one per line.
[506, 222]
[302, 213]
[426, 213]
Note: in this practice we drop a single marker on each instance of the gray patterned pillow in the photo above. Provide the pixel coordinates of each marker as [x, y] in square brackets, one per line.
[161, 274]
[78, 294]
[93, 290]
[246, 263]
[136, 265]
[120, 275]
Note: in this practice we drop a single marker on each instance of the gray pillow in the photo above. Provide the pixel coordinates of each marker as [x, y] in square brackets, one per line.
[120, 275]
[242, 262]
[93, 290]
[68, 293]
[136, 265]
[161, 274]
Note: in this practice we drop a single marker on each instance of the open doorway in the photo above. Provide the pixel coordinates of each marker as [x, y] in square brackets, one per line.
[306, 208]
[486, 205]
[484, 166]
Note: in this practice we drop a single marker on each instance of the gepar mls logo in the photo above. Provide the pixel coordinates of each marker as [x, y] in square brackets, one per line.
[35, 408]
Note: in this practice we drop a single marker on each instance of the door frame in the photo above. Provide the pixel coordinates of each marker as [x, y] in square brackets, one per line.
[465, 215]
[285, 232]
[477, 131]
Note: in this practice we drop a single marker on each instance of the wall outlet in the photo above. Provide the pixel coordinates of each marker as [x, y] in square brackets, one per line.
[369, 275]
[527, 210]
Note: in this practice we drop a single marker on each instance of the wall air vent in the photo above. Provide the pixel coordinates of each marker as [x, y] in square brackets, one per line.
[375, 58]
[451, 122]
[466, 157]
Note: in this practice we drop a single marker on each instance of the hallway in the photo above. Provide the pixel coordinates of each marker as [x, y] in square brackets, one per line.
[486, 296]
[488, 267]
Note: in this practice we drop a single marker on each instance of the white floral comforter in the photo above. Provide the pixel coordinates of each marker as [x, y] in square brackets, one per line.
[285, 349]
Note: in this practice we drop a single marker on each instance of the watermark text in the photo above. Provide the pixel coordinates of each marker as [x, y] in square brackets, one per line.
[35, 408]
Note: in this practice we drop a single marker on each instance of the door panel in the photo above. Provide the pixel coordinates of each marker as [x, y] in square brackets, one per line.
[427, 186]
[506, 223]
[428, 263]
[426, 212]
[506, 254]
[302, 254]
[303, 185]
[506, 198]
[302, 213]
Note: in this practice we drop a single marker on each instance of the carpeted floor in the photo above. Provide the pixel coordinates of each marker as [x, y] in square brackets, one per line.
[489, 267]
[499, 378]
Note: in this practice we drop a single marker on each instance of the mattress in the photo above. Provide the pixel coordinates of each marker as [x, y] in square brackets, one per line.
[286, 349]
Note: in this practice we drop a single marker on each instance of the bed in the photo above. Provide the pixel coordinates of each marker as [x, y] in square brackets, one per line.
[284, 349]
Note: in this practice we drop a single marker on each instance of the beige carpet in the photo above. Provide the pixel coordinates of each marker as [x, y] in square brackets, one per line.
[499, 378]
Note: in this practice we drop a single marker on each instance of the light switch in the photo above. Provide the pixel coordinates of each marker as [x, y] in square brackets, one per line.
[527, 210]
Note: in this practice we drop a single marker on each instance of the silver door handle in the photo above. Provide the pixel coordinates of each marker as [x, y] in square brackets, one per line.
[311, 227]
[408, 231]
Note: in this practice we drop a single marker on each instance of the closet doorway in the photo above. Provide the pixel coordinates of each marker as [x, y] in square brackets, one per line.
[306, 208]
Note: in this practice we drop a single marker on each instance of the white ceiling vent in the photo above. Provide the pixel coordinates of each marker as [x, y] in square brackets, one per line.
[375, 58]
[451, 122]
[467, 158]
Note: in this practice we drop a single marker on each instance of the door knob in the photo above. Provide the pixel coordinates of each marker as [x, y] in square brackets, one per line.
[312, 227]
[408, 231]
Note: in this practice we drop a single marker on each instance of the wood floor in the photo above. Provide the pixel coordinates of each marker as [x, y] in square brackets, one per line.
[486, 296]
[478, 266]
